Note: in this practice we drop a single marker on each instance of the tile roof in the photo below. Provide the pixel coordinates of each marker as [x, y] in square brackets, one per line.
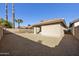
[51, 21]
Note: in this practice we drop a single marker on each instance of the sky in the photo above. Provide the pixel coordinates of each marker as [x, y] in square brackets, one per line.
[32, 13]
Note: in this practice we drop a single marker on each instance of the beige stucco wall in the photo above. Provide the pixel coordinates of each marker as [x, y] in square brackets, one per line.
[76, 24]
[54, 30]
[76, 32]
[73, 28]
[1, 33]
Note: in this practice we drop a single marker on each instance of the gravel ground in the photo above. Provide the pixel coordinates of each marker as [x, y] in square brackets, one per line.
[48, 41]
[28, 44]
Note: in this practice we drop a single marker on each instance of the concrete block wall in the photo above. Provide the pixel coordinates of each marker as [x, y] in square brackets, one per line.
[1, 33]
[76, 32]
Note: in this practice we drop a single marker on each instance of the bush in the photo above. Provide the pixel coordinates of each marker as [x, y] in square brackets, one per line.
[6, 24]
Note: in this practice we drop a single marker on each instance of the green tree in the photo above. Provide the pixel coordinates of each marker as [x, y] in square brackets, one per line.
[6, 24]
[29, 25]
[19, 21]
[0, 22]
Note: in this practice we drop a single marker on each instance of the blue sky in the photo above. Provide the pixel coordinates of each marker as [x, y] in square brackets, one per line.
[32, 13]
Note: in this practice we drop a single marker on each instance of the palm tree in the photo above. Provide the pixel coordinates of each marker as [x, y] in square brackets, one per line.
[13, 16]
[6, 10]
[19, 21]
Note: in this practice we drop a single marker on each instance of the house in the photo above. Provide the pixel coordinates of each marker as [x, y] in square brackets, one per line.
[74, 25]
[51, 28]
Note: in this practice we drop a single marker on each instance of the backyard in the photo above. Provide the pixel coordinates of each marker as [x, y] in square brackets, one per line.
[28, 44]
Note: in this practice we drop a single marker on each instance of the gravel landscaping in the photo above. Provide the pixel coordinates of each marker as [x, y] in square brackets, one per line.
[28, 44]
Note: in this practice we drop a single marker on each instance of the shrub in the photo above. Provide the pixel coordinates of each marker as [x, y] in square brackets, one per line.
[5, 23]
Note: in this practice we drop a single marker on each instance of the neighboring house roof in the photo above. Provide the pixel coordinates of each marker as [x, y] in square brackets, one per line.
[51, 21]
[26, 27]
[76, 20]
[29, 27]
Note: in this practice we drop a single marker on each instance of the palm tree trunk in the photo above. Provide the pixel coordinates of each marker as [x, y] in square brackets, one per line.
[6, 9]
[18, 25]
[13, 16]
